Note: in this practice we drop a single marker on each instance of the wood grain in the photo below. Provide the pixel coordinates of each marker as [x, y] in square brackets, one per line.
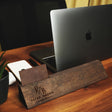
[34, 74]
[62, 83]
[94, 98]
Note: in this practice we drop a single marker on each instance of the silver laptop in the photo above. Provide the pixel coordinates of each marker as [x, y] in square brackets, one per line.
[81, 35]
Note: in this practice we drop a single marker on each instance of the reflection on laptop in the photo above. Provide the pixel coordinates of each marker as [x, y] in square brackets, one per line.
[80, 35]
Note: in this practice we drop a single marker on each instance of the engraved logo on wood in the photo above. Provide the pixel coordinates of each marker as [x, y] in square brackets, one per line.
[40, 94]
[40, 91]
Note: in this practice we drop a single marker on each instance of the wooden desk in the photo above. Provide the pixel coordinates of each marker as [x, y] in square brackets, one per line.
[95, 98]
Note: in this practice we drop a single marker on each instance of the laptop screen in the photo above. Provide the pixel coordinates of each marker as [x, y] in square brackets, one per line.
[81, 35]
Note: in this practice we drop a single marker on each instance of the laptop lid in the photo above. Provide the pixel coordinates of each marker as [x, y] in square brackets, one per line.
[81, 35]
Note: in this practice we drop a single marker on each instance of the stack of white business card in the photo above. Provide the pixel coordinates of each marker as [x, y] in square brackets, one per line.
[17, 66]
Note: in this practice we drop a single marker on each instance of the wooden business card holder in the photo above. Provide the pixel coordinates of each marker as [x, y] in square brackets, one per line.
[58, 84]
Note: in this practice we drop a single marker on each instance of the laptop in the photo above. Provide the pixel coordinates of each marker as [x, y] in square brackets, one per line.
[80, 35]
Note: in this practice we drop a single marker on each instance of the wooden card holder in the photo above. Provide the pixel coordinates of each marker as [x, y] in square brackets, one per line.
[61, 83]
[34, 74]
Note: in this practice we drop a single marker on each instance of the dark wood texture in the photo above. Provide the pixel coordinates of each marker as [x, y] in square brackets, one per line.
[62, 83]
[94, 98]
[34, 74]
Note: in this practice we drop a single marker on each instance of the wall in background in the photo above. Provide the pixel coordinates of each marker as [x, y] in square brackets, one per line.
[76, 3]
[26, 22]
[82, 3]
[100, 2]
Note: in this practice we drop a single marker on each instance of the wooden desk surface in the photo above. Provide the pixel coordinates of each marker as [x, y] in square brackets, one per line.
[95, 98]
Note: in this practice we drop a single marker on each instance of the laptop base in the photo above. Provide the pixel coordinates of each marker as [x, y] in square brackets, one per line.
[45, 56]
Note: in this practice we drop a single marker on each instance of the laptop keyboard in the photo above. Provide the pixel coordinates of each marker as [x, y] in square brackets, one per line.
[45, 56]
[50, 60]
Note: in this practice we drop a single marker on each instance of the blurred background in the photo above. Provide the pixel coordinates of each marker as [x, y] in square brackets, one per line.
[27, 22]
